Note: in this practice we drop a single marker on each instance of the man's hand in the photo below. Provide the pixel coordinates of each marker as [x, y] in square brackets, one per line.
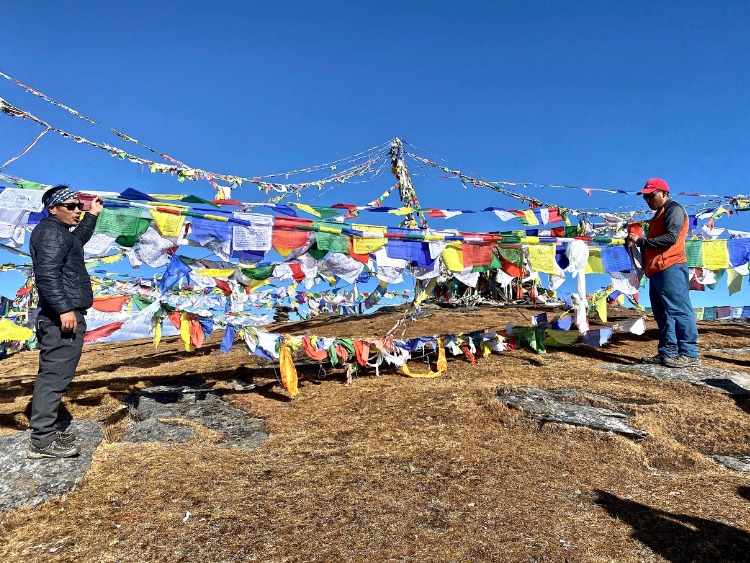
[632, 239]
[68, 321]
[96, 206]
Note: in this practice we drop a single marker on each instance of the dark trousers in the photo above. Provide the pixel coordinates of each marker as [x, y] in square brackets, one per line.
[59, 353]
[669, 291]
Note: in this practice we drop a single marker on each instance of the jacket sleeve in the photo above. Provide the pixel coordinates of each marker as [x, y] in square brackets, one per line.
[49, 259]
[85, 228]
[674, 218]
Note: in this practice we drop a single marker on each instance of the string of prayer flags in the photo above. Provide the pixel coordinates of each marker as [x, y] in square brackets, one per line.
[10, 331]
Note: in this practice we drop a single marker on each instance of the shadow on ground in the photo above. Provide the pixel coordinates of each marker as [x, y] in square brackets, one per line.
[677, 537]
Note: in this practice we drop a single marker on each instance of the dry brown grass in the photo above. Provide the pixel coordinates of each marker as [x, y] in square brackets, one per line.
[397, 469]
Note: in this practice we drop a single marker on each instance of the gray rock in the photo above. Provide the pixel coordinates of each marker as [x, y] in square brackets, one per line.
[202, 406]
[152, 430]
[722, 380]
[736, 463]
[32, 481]
[567, 407]
[732, 351]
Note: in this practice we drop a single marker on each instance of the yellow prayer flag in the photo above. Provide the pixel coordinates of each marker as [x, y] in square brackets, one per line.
[255, 284]
[185, 332]
[283, 251]
[542, 257]
[215, 272]
[10, 331]
[594, 264]
[287, 370]
[306, 208]
[365, 245]
[715, 255]
[401, 211]
[442, 364]
[112, 259]
[453, 257]
[530, 217]
[157, 335]
[168, 224]
[601, 308]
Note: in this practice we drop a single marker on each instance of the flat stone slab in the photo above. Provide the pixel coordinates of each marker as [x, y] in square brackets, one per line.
[732, 351]
[32, 481]
[567, 406]
[736, 463]
[721, 380]
[189, 401]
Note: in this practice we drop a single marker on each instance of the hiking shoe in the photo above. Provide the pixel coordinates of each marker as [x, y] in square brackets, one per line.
[54, 449]
[656, 360]
[66, 437]
[682, 361]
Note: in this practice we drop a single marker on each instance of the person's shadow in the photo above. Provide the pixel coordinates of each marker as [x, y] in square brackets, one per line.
[680, 538]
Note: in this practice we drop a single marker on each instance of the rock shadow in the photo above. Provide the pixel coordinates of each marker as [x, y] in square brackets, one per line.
[679, 538]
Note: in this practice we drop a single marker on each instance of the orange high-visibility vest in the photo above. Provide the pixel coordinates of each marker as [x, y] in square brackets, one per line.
[658, 259]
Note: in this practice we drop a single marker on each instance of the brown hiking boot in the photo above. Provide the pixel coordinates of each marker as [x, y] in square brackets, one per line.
[682, 361]
[654, 360]
[55, 449]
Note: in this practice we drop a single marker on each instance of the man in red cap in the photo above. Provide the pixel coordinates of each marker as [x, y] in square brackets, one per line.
[665, 263]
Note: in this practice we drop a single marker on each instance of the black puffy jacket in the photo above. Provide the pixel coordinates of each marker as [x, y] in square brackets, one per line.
[60, 271]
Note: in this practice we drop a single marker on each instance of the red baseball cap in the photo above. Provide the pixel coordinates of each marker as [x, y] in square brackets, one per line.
[654, 184]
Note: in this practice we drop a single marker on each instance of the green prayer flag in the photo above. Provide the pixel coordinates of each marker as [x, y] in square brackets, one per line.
[196, 199]
[330, 241]
[132, 240]
[119, 220]
[26, 185]
[512, 255]
[694, 253]
[316, 252]
[261, 273]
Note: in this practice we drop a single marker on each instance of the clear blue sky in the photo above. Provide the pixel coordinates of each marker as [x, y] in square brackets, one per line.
[594, 94]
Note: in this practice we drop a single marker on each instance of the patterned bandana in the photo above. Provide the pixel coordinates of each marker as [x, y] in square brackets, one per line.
[60, 196]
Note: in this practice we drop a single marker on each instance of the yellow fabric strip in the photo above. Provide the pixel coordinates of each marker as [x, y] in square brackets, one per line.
[287, 370]
[530, 217]
[453, 257]
[185, 332]
[157, 335]
[594, 264]
[217, 218]
[215, 272]
[10, 331]
[442, 364]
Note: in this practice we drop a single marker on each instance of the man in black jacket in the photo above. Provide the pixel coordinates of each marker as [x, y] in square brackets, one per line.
[65, 294]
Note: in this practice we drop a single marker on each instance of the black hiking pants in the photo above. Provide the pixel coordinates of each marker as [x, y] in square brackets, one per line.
[59, 354]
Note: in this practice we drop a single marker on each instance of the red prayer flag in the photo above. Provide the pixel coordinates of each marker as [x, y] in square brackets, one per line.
[477, 254]
[101, 332]
[110, 304]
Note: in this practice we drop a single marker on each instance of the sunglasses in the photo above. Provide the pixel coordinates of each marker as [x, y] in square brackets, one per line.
[71, 206]
[649, 196]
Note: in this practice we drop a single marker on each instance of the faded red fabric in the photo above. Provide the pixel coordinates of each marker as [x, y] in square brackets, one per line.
[224, 286]
[341, 352]
[297, 272]
[468, 354]
[477, 254]
[101, 332]
[110, 304]
[318, 355]
[196, 331]
[176, 318]
[510, 268]
[362, 349]
[289, 238]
